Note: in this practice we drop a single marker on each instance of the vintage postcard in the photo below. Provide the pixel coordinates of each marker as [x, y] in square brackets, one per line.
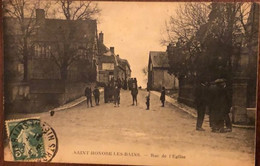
[130, 83]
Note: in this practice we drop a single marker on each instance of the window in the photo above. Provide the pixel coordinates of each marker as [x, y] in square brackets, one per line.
[20, 68]
[107, 66]
[37, 50]
[48, 51]
[42, 51]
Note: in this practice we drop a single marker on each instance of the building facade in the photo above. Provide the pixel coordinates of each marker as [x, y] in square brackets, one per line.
[110, 65]
[158, 75]
[61, 60]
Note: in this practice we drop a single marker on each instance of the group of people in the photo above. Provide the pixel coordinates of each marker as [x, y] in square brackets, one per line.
[212, 96]
[112, 92]
[162, 98]
[215, 97]
[88, 94]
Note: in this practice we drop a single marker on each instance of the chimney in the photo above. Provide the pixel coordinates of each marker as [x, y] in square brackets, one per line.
[40, 15]
[101, 37]
[112, 49]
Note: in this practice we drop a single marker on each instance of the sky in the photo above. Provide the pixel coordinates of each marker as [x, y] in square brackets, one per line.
[134, 29]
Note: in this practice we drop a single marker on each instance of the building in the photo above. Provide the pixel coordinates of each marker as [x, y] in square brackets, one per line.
[158, 75]
[106, 66]
[110, 65]
[123, 69]
[61, 59]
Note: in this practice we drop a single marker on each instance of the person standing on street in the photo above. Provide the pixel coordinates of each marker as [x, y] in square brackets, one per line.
[130, 84]
[201, 102]
[135, 81]
[96, 94]
[106, 93]
[220, 106]
[88, 94]
[119, 83]
[162, 98]
[116, 96]
[227, 94]
[148, 100]
[125, 84]
[134, 92]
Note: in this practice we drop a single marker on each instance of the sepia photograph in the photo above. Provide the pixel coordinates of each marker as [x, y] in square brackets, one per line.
[130, 83]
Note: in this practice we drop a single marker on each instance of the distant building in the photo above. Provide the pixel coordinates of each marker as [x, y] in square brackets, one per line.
[48, 84]
[110, 65]
[158, 75]
[106, 66]
[123, 70]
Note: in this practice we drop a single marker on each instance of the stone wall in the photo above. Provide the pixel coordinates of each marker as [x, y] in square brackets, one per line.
[186, 92]
[42, 95]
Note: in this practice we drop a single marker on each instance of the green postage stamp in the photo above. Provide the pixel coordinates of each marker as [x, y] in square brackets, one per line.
[31, 140]
[25, 138]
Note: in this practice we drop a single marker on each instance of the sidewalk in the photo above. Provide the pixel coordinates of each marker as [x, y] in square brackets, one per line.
[192, 111]
[73, 103]
[183, 107]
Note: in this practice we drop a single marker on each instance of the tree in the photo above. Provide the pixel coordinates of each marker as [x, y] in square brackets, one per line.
[181, 30]
[75, 10]
[23, 11]
[186, 22]
[225, 37]
[145, 72]
[208, 36]
[67, 48]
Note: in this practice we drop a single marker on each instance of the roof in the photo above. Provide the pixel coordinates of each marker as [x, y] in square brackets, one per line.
[108, 57]
[122, 62]
[159, 59]
[55, 29]
[102, 48]
[73, 29]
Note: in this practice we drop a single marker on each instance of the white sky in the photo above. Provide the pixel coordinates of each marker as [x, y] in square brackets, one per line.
[134, 29]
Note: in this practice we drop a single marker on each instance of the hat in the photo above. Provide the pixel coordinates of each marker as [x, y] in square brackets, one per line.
[220, 80]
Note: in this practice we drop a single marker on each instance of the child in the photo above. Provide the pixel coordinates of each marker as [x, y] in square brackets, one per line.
[148, 101]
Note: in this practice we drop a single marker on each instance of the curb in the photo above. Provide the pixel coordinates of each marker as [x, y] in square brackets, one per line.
[191, 111]
[72, 103]
[183, 107]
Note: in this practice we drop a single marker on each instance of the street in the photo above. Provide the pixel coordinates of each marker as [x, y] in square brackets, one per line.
[145, 135]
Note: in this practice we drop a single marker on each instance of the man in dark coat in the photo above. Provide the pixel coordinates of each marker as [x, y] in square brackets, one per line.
[88, 94]
[201, 102]
[96, 94]
[220, 106]
[135, 81]
[125, 84]
[106, 93]
[148, 100]
[134, 92]
[130, 83]
[119, 83]
[162, 97]
[116, 96]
